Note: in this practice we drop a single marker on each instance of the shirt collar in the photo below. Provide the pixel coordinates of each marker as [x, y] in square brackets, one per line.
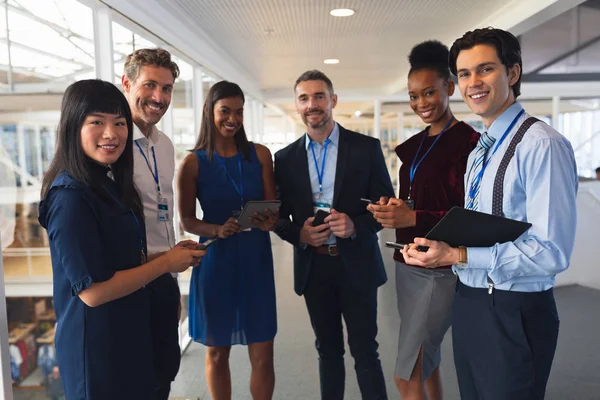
[152, 137]
[501, 123]
[334, 137]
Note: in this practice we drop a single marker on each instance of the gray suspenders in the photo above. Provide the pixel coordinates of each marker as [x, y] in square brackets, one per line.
[498, 193]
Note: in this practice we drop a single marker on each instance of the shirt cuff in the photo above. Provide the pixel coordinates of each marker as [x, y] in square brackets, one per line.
[479, 258]
[303, 246]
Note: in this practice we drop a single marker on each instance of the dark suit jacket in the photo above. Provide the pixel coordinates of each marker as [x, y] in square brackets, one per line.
[360, 172]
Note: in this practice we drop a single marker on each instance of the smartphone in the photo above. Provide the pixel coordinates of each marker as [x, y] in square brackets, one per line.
[368, 201]
[205, 245]
[395, 245]
[400, 246]
[320, 218]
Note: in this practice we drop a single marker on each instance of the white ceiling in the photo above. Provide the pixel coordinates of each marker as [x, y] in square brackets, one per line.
[278, 40]
[267, 44]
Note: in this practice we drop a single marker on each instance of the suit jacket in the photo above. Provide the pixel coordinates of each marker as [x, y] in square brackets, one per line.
[360, 172]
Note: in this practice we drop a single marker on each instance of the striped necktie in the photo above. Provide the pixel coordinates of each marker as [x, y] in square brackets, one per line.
[485, 142]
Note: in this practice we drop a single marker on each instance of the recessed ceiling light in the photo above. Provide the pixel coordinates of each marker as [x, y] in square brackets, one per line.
[331, 61]
[342, 12]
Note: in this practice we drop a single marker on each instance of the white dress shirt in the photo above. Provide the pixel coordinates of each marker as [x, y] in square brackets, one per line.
[160, 235]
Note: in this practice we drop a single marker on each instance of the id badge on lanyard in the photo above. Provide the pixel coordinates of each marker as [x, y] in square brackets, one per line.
[163, 204]
[163, 208]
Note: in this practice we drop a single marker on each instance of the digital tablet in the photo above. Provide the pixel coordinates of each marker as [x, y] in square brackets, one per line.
[252, 207]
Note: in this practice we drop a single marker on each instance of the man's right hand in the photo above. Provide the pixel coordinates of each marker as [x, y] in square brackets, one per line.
[314, 235]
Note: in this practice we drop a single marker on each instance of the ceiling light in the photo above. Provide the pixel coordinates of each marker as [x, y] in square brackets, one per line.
[342, 12]
[357, 113]
[332, 61]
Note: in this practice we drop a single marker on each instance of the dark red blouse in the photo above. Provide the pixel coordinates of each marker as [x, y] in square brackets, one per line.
[438, 183]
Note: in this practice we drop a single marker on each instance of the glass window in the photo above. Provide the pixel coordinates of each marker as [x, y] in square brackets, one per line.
[50, 41]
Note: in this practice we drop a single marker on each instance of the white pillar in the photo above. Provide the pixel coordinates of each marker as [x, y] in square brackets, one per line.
[38, 153]
[22, 155]
[377, 119]
[555, 112]
[198, 99]
[166, 122]
[400, 137]
[256, 134]
[261, 120]
[248, 118]
[103, 43]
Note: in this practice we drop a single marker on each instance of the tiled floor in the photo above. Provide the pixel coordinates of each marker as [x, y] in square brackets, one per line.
[574, 376]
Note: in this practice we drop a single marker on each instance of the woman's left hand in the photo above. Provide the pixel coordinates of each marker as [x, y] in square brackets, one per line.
[395, 214]
[265, 221]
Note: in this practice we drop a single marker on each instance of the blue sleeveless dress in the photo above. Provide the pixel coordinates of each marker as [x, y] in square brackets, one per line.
[232, 291]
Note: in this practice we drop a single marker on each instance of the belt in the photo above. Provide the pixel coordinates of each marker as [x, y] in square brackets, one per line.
[327, 249]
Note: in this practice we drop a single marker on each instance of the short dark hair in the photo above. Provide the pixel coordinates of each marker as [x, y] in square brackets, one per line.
[153, 57]
[432, 55]
[208, 130]
[315, 75]
[506, 44]
[81, 99]
[597, 169]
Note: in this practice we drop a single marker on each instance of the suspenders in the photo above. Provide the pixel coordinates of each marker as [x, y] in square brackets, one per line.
[498, 193]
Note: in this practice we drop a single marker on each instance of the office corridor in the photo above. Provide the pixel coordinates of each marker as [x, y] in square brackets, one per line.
[575, 373]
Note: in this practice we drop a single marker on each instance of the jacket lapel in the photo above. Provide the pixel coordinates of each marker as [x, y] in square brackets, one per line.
[341, 165]
[302, 174]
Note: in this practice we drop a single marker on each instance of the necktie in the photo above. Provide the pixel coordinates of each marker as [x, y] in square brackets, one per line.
[485, 142]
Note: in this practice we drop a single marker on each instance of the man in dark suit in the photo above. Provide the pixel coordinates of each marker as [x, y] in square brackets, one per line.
[337, 264]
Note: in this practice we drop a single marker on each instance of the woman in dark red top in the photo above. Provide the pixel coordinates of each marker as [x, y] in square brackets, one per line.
[431, 183]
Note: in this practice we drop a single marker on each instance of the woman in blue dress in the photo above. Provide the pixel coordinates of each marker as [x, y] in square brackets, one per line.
[94, 218]
[232, 293]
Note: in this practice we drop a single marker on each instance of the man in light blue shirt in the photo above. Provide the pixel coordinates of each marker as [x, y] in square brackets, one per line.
[505, 324]
[324, 157]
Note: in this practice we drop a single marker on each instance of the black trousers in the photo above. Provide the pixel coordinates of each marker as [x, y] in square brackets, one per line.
[162, 391]
[164, 293]
[504, 343]
[330, 296]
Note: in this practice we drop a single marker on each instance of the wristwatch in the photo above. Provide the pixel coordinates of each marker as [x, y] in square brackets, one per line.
[462, 258]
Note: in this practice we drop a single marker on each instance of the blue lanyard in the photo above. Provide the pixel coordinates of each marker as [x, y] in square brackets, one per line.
[321, 173]
[415, 165]
[479, 176]
[135, 219]
[155, 173]
[239, 189]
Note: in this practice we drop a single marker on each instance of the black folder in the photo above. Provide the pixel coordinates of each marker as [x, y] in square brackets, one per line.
[462, 227]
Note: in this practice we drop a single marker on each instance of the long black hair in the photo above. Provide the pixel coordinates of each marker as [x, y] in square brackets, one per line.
[432, 55]
[81, 99]
[208, 130]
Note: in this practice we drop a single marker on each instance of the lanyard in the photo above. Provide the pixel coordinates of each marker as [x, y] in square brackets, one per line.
[415, 164]
[477, 179]
[137, 224]
[155, 173]
[239, 189]
[321, 173]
